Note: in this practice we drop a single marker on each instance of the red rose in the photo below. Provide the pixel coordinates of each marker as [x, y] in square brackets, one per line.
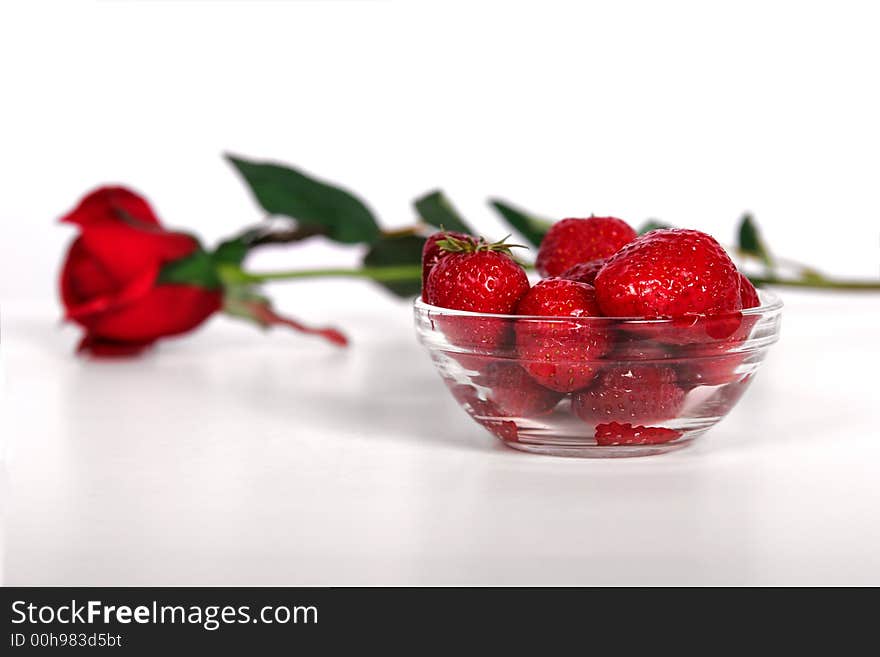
[110, 279]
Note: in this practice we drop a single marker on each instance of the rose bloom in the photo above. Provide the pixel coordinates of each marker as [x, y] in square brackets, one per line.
[109, 280]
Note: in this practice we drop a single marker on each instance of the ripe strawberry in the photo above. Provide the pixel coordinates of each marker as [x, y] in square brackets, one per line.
[716, 363]
[513, 392]
[615, 433]
[485, 412]
[572, 241]
[669, 273]
[560, 354]
[629, 348]
[586, 271]
[630, 393]
[507, 430]
[748, 293]
[710, 366]
[478, 277]
[432, 253]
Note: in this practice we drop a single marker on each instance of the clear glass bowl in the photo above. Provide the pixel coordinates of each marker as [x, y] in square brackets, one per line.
[597, 386]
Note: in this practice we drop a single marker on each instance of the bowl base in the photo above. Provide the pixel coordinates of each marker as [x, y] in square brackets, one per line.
[601, 451]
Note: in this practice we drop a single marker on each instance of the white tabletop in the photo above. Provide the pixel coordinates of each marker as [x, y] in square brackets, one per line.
[231, 457]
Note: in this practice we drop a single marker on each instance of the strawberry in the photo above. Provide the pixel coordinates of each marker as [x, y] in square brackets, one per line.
[572, 241]
[507, 430]
[560, 354]
[669, 273]
[716, 363]
[477, 277]
[432, 253]
[629, 348]
[710, 366]
[630, 393]
[485, 412]
[586, 271]
[747, 293]
[615, 433]
[513, 392]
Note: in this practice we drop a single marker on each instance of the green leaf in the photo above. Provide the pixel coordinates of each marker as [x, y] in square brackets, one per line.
[437, 210]
[282, 190]
[529, 226]
[397, 250]
[751, 242]
[233, 251]
[652, 224]
[196, 269]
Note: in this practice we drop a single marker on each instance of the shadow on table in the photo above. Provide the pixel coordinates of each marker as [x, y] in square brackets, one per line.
[380, 388]
[382, 391]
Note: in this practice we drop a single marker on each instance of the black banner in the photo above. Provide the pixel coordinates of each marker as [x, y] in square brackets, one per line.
[150, 620]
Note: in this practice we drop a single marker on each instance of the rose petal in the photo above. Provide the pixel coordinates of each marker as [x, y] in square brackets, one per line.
[83, 278]
[164, 310]
[103, 348]
[124, 251]
[132, 292]
[111, 204]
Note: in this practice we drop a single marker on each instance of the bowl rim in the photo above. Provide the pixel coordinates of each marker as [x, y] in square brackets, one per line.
[770, 303]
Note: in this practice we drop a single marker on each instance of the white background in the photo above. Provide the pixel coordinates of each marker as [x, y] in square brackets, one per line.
[232, 457]
[691, 112]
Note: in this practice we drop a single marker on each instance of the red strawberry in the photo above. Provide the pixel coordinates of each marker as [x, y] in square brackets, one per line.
[586, 271]
[629, 348]
[432, 253]
[478, 277]
[716, 363]
[485, 412]
[636, 393]
[507, 430]
[560, 354]
[748, 293]
[513, 392]
[615, 433]
[673, 273]
[749, 298]
[669, 273]
[710, 366]
[572, 241]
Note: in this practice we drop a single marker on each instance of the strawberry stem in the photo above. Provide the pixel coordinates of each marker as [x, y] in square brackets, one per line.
[453, 244]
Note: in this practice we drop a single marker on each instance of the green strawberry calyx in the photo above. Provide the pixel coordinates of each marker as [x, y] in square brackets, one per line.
[452, 244]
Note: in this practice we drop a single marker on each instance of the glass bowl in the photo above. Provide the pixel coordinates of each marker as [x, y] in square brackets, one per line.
[597, 386]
